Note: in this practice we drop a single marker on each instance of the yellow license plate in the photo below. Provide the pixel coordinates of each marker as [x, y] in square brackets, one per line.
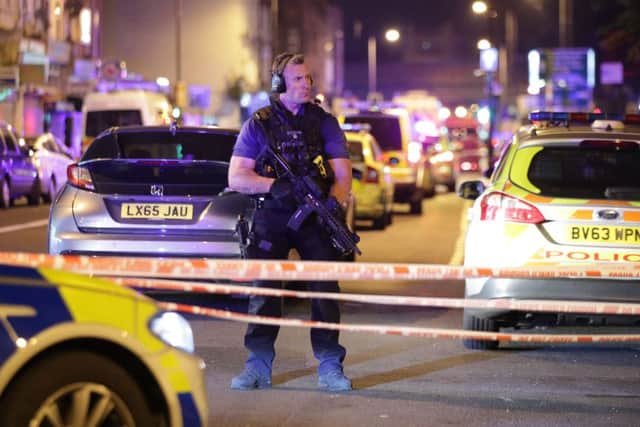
[604, 234]
[156, 211]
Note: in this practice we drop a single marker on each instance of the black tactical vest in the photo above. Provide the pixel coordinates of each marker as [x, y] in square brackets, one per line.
[300, 143]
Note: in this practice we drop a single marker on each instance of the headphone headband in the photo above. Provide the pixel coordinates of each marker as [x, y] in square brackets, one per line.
[277, 78]
[282, 63]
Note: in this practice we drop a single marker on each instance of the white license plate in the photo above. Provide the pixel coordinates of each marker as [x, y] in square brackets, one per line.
[156, 210]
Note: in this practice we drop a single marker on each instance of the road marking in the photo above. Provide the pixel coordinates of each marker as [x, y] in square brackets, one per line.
[18, 227]
[458, 251]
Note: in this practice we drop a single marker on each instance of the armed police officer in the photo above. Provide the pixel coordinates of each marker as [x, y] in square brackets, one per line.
[313, 145]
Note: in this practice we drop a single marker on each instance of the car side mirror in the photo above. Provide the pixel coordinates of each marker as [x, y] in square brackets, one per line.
[471, 190]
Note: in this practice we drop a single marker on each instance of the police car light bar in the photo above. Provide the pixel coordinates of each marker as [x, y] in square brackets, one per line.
[356, 127]
[581, 117]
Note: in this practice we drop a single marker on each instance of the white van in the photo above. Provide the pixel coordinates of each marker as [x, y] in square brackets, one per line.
[102, 110]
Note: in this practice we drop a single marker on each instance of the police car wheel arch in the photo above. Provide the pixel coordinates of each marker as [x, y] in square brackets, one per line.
[56, 378]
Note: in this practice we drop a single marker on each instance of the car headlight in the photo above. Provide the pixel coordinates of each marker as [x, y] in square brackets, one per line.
[173, 329]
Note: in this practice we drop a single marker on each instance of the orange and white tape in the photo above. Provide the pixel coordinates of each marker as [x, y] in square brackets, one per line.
[406, 331]
[246, 270]
[591, 307]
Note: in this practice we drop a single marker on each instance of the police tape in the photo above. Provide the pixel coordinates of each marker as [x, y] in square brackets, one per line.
[583, 307]
[405, 331]
[246, 270]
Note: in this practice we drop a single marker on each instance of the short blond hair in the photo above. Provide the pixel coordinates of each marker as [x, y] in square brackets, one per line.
[281, 61]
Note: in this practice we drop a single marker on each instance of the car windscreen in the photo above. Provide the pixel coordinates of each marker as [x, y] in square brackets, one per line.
[589, 171]
[163, 145]
[385, 129]
[98, 121]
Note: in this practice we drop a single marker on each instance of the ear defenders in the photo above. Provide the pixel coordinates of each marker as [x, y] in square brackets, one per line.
[277, 73]
[277, 78]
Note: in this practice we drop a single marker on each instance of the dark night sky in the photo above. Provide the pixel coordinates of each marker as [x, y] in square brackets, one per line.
[537, 21]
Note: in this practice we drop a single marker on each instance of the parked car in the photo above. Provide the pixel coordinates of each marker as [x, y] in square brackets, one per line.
[51, 158]
[152, 191]
[81, 351]
[566, 191]
[18, 176]
[373, 185]
[409, 168]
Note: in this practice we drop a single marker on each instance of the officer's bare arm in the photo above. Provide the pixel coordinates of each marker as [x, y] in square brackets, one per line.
[244, 179]
[342, 186]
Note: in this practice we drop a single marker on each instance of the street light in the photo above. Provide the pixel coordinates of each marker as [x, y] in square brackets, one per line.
[479, 7]
[392, 35]
[483, 44]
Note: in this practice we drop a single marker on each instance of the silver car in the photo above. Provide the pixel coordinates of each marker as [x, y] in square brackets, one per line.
[51, 158]
[152, 191]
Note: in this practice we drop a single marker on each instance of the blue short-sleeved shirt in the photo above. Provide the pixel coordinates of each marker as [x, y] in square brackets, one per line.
[251, 138]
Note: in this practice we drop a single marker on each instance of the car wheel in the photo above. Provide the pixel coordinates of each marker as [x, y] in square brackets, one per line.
[415, 207]
[473, 323]
[34, 198]
[429, 192]
[5, 194]
[380, 223]
[76, 387]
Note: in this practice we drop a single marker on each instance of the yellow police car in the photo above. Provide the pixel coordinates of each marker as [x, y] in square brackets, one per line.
[410, 168]
[566, 190]
[77, 351]
[373, 186]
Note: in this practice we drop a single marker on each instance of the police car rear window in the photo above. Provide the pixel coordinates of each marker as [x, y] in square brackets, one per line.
[385, 129]
[589, 171]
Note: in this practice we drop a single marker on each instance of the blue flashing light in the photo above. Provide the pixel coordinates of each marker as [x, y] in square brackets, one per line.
[575, 117]
[356, 127]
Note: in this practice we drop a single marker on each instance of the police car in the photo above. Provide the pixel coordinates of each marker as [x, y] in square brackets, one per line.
[372, 182]
[565, 191]
[86, 352]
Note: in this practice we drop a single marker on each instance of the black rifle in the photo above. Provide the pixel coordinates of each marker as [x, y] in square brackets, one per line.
[308, 196]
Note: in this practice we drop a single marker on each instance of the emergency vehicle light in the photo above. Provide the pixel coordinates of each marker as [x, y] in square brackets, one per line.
[577, 117]
[356, 127]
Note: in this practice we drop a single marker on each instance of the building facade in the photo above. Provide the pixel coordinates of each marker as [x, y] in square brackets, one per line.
[214, 51]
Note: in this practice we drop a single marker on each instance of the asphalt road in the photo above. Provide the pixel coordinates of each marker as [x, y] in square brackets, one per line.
[402, 381]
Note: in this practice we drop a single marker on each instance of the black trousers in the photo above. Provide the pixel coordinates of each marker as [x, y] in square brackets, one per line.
[272, 239]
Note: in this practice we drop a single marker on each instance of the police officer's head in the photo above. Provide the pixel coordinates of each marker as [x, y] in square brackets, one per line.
[291, 78]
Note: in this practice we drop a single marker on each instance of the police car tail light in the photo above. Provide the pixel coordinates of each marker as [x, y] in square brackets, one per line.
[469, 165]
[501, 207]
[371, 175]
[80, 177]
